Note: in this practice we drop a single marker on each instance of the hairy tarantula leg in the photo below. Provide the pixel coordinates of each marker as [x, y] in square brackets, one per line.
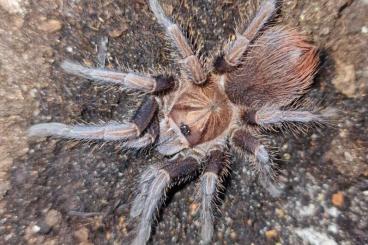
[235, 50]
[153, 185]
[109, 131]
[145, 113]
[265, 117]
[128, 80]
[147, 139]
[249, 143]
[263, 164]
[208, 191]
[176, 170]
[156, 190]
[189, 60]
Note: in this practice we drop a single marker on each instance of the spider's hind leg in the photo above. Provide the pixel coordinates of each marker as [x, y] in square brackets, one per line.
[152, 188]
[211, 179]
[245, 142]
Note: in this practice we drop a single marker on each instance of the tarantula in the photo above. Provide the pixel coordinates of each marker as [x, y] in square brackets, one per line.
[194, 117]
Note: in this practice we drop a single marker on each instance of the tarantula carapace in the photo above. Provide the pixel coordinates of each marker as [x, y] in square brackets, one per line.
[194, 117]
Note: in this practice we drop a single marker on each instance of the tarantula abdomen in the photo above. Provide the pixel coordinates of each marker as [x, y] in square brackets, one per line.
[277, 69]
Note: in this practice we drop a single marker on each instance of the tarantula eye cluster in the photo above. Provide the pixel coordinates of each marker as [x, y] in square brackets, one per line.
[184, 129]
[204, 112]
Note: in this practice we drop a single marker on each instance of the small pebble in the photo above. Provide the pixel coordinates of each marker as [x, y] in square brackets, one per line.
[50, 26]
[314, 136]
[249, 222]
[193, 208]
[233, 235]
[279, 212]
[338, 199]
[82, 234]
[325, 31]
[12, 6]
[36, 228]
[333, 228]
[117, 32]
[345, 78]
[44, 228]
[286, 156]
[53, 218]
[271, 234]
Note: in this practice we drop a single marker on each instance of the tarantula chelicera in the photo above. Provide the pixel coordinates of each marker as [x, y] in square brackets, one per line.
[194, 117]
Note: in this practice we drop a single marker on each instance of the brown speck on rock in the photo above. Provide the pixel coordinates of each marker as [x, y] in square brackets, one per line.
[338, 199]
[280, 213]
[345, 80]
[193, 208]
[82, 234]
[118, 31]
[53, 218]
[271, 234]
[50, 26]
[12, 6]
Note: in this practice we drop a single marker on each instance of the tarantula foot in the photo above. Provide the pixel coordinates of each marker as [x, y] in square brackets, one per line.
[144, 185]
[273, 187]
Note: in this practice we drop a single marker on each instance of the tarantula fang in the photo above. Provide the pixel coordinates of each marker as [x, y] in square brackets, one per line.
[205, 111]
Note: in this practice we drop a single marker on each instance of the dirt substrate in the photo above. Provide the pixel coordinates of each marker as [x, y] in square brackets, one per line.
[58, 192]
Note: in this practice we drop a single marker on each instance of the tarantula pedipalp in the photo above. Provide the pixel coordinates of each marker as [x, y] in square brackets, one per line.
[203, 111]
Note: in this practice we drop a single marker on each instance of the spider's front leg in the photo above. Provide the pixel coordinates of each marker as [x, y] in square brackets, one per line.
[189, 60]
[211, 179]
[129, 131]
[245, 142]
[235, 50]
[131, 80]
[152, 188]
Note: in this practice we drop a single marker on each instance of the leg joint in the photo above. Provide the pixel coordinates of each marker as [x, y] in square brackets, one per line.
[164, 83]
[145, 113]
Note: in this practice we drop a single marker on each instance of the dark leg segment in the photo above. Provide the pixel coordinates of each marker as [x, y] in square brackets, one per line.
[164, 83]
[222, 66]
[209, 184]
[244, 141]
[181, 168]
[247, 142]
[152, 186]
[145, 113]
